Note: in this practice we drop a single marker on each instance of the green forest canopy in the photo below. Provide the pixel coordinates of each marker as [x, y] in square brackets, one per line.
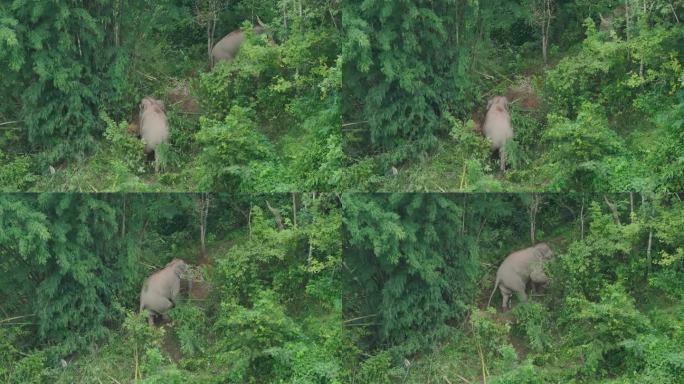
[266, 307]
[420, 268]
[73, 74]
[600, 110]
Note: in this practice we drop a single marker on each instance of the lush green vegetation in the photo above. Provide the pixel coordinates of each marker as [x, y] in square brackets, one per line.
[421, 268]
[264, 305]
[73, 73]
[600, 109]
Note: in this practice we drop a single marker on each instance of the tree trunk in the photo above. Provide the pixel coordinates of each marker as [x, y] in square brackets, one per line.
[211, 62]
[123, 218]
[203, 214]
[582, 220]
[544, 45]
[276, 215]
[648, 252]
[249, 221]
[616, 216]
[546, 26]
[534, 208]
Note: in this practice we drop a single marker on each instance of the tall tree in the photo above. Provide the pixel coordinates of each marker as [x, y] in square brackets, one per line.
[74, 263]
[412, 262]
[63, 66]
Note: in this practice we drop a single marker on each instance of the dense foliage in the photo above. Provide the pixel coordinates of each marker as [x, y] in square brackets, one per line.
[73, 74]
[612, 312]
[597, 92]
[404, 253]
[264, 305]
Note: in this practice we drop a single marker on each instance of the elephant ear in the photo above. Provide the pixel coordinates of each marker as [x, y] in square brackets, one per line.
[545, 253]
[181, 268]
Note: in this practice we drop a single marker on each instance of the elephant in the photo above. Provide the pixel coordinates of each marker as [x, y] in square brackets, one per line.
[520, 268]
[228, 47]
[153, 125]
[159, 291]
[608, 23]
[497, 126]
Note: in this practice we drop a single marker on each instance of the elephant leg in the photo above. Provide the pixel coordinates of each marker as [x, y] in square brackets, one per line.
[150, 319]
[502, 159]
[506, 302]
[505, 298]
[523, 296]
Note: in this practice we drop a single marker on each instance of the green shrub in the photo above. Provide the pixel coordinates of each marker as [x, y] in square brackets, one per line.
[189, 325]
[657, 358]
[245, 81]
[490, 336]
[16, 172]
[229, 149]
[579, 149]
[31, 369]
[247, 336]
[376, 369]
[8, 352]
[532, 321]
[609, 253]
[597, 332]
[155, 370]
[525, 373]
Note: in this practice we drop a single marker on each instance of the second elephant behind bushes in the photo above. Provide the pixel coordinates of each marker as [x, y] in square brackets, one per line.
[518, 269]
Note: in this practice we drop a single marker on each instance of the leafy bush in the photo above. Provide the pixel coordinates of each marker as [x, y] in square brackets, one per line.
[121, 145]
[584, 76]
[532, 320]
[244, 81]
[376, 369]
[248, 335]
[658, 359]
[31, 369]
[666, 159]
[525, 373]
[190, 328]
[581, 148]
[405, 257]
[8, 352]
[597, 332]
[15, 172]
[229, 149]
[154, 369]
[490, 337]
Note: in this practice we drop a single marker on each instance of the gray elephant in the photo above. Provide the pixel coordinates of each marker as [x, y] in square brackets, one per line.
[153, 126]
[228, 47]
[520, 268]
[159, 291]
[497, 127]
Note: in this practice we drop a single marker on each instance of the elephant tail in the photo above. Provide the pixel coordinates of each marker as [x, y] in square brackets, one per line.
[496, 285]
